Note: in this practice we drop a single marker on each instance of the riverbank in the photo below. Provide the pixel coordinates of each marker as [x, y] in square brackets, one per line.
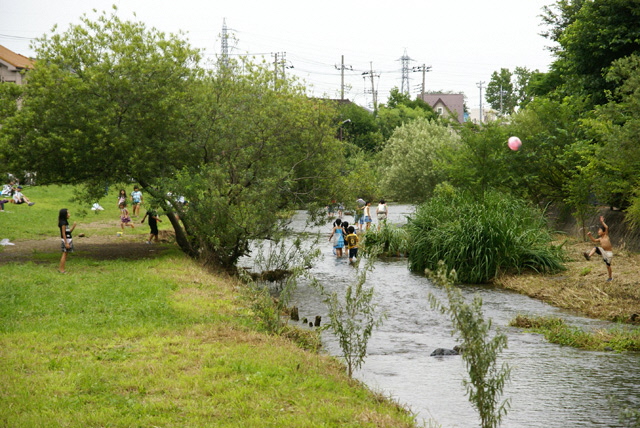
[583, 286]
[140, 335]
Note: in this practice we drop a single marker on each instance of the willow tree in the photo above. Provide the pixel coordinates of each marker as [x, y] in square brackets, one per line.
[111, 101]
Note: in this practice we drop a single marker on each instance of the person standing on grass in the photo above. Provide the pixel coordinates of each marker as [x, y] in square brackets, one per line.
[125, 220]
[153, 225]
[136, 200]
[65, 235]
[603, 246]
[122, 197]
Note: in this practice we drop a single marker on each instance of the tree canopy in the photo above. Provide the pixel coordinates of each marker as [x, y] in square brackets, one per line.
[111, 101]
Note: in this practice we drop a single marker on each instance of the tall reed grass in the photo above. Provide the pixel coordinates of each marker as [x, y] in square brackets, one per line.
[481, 238]
[390, 240]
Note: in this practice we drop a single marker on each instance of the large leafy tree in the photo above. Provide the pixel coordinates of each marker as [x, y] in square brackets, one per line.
[260, 150]
[500, 92]
[414, 159]
[110, 100]
[614, 168]
[507, 90]
[103, 104]
[400, 109]
[590, 36]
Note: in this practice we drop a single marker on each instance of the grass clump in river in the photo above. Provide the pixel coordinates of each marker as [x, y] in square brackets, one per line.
[390, 240]
[556, 330]
[481, 237]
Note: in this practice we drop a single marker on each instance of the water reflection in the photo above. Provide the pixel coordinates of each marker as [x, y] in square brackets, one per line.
[551, 386]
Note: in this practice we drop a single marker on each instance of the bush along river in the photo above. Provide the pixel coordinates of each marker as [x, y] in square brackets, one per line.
[550, 386]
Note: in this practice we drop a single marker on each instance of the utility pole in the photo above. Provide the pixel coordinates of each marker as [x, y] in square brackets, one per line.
[342, 68]
[405, 72]
[372, 75]
[479, 84]
[424, 70]
[279, 66]
[225, 44]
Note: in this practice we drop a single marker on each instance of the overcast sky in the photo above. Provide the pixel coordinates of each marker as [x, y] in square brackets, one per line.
[463, 41]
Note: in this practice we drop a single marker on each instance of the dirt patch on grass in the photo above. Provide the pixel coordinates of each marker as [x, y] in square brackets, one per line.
[583, 287]
[96, 247]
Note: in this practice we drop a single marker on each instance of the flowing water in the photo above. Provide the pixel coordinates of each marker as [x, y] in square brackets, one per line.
[551, 385]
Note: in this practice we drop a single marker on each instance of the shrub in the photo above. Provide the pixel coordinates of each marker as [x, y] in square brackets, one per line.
[480, 238]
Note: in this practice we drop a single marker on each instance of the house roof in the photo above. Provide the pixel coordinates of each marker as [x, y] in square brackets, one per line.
[15, 59]
[453, 102]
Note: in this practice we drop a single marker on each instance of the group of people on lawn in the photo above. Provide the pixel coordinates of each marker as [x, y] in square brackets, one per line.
[125, 220]
[12, 193]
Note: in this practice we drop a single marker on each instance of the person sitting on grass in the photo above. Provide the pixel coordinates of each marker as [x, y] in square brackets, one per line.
[605, 249]
[19, 198]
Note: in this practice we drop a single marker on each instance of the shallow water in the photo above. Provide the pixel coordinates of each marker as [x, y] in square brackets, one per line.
[551, 385]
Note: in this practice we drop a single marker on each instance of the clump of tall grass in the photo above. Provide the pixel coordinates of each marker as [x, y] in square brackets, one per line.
[481, 237]
[390, 240]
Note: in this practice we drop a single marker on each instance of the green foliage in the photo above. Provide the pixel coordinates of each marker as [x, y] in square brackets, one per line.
[483, 160]
[353, 317]
[9, 95]
[591, 35]
[399, 111]
[390, 240]
[110, 100]
[614, 167]
[104, 103]
[480, 350]
[412, 162]
[362, 129]
[480, 238]
[556, 330]
[256, 159]
[507, 90]
[548, 160]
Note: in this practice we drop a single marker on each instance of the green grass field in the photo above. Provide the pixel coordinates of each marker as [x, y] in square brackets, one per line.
[152, 342]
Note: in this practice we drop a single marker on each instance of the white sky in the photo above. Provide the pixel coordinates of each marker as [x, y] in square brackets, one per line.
[464, 41]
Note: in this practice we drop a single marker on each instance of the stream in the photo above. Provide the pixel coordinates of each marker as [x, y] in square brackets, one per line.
[551, 385]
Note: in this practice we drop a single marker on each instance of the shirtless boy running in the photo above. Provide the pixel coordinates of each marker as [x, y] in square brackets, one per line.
[604, 248]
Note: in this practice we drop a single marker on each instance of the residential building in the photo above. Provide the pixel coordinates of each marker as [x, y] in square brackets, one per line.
[446, 104]
[12, 66]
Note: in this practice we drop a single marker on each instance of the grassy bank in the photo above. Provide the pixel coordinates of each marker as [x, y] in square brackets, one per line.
[139, 335]
[583, 286]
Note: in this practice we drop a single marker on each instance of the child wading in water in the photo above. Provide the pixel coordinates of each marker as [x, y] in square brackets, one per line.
[338, 237]
[65, 235]
[352, 243]
[605, 249]
[125, 220]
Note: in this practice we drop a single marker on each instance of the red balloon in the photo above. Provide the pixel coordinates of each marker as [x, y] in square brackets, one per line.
[514, 143]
